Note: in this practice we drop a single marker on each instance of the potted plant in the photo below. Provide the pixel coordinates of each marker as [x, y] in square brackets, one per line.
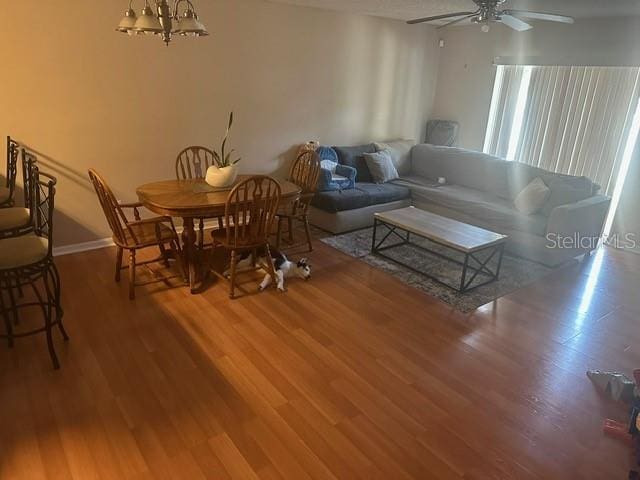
[225, 170]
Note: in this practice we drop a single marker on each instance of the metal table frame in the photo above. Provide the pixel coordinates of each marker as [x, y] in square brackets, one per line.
[495, 251]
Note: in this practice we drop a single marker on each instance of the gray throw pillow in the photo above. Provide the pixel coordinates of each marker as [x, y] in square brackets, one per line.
[564, 193]
[381, 166]
[532, 197]
[400, 151]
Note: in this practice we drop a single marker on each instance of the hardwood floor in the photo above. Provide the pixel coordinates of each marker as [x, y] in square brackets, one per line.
[350, 375]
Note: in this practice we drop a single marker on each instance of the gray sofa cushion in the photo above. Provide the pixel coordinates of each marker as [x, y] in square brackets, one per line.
[353, 157]
[463, 167]
[483, 206]
[363, 195]
[521, 174]
[564, 193]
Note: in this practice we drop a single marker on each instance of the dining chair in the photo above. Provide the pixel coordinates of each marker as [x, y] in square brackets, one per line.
[250, 211]
[304, 173]
[16, 221]
[7, 191]
[136, 234]
[192, 163]
[27, 260]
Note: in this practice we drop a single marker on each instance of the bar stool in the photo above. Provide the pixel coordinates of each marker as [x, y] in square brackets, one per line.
[27, 261]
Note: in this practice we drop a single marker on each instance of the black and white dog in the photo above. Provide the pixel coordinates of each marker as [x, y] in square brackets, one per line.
[284, 268]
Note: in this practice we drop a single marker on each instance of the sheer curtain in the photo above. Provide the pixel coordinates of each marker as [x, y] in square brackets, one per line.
[573, 120]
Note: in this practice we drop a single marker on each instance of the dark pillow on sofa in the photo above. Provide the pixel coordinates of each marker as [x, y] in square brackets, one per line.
[353, 157]
[563, 193]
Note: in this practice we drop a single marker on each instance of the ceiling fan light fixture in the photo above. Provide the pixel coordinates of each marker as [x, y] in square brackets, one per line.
[489, 12]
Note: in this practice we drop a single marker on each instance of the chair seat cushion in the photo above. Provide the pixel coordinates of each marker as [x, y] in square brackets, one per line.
[22, 251]
[12, 218]
[146, 234]
[4, 194]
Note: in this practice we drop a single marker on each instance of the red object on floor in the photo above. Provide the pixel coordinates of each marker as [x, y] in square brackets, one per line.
[617, 430]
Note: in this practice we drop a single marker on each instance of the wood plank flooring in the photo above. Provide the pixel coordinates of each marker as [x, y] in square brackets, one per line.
[350, 375]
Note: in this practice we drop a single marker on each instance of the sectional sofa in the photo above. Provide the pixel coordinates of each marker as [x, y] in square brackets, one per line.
[480, 190]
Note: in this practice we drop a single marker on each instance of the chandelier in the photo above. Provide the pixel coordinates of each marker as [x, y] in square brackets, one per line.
[166, 23]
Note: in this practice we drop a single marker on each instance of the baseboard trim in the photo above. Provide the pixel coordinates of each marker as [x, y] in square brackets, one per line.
[107, 242]
[83, 247]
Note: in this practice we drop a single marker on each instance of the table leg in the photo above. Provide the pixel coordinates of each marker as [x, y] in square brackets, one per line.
[189, 251]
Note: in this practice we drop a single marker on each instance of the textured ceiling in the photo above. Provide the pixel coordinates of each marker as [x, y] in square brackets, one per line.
[408, 9]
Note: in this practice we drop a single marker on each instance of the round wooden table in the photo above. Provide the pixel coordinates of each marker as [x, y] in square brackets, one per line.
[192, 199]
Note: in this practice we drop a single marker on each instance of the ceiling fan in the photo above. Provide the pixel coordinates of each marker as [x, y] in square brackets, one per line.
[489, 11]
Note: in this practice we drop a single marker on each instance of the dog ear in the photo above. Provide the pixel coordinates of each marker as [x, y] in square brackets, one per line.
[302, 263]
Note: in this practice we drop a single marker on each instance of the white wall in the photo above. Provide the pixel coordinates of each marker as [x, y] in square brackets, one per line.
[85, 96]
[466, 74]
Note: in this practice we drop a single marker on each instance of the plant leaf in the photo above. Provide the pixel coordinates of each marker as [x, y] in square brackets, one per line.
[224, 144]
[216, 158]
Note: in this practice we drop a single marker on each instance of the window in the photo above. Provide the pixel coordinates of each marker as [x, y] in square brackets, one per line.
[572, 120]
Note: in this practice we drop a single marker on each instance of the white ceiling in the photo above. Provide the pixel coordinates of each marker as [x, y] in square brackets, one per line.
[408, 9]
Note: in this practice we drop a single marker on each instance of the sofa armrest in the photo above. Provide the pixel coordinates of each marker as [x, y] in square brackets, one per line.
[585, 218]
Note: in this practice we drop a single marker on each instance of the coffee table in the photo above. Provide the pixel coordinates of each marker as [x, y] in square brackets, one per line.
[482, 249]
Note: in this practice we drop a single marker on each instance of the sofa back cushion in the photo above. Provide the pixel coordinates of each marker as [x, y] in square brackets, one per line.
[462, 167]
[353, 157]
[400, 151]
[521, 174]
[564, 193]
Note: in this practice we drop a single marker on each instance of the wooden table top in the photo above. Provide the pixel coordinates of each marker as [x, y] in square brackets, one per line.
[194, 198]
[457, 235]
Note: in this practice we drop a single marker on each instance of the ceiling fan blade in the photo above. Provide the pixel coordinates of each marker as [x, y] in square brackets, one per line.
[549, 17]
[440, 17]
[514, 23]
[467, 17]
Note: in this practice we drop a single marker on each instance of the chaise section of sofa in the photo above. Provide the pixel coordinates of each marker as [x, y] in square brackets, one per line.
[481, 189]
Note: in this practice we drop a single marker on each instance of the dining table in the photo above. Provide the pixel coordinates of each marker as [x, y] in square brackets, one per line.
[194, 199]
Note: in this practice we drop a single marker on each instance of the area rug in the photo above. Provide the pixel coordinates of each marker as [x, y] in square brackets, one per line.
[515, 273]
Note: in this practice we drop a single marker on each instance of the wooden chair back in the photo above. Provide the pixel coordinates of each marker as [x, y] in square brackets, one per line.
[193, 162]
[43, 190]
[305, 172]
[12, 168]
[112, 211]
[250, 210]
